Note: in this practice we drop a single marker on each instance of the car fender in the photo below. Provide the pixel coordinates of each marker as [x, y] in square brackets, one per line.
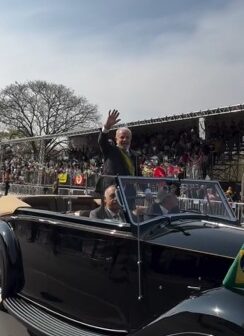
[7, 235]
[220, 302]
[215, 312]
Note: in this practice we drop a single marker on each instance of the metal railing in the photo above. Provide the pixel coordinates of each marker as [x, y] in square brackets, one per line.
[238, 209]
[29, 189]
[214, 208]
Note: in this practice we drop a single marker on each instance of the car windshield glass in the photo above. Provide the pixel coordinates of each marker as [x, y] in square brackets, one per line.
[148, 198]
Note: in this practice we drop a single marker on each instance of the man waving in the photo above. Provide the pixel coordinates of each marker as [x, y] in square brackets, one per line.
[119, 159]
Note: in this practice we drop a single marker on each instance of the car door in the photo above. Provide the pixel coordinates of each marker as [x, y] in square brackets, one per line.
[173, 274]
[89, 269]
[94, 270]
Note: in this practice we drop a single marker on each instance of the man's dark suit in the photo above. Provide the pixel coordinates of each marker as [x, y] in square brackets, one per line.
[102, 213]
[156, 210]
[114, 163]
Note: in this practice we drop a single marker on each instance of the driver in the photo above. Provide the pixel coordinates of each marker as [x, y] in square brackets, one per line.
[165, 203]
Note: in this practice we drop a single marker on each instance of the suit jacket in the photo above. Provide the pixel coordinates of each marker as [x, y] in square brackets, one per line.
[156, 210]
[102, 213]
[114, 163]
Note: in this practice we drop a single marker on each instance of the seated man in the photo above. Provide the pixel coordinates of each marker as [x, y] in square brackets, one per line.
[165, 203]
[110, 208]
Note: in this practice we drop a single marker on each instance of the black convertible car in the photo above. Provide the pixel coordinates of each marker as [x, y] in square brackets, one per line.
[168, 273]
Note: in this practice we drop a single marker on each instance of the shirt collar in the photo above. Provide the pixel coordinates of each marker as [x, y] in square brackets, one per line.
[113, 214]
[127, 150]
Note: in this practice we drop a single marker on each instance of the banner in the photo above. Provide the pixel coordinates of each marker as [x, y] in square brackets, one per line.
[62, 178]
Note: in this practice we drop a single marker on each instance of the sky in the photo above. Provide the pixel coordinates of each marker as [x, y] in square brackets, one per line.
[146, 58]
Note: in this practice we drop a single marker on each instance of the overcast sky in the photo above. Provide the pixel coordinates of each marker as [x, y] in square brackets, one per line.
[147, 58]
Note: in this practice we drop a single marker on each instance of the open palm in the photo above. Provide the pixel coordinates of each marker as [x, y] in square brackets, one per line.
[113, 119]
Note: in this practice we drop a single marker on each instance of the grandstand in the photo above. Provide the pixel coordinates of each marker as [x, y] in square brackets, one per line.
[229, 168]
[224, 123]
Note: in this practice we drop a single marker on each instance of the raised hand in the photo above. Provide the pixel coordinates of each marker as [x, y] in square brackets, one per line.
[112, 119]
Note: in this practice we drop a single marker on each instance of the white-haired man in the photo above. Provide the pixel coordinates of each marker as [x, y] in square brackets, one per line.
[119, 159]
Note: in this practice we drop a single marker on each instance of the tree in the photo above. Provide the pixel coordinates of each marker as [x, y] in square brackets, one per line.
[38, 108]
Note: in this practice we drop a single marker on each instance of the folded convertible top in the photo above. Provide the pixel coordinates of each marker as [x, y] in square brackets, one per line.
[8, 205]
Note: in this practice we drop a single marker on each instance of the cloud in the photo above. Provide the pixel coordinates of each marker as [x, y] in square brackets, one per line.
[147, 66]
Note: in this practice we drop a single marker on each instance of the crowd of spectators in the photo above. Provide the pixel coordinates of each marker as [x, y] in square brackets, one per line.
[24, 171]
[178, 154]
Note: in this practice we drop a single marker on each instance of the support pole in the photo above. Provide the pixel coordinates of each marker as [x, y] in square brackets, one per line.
[202, 128]
[41, 162]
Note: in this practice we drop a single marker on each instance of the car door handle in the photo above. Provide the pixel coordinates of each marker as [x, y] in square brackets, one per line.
[196, 288]
[47, 221]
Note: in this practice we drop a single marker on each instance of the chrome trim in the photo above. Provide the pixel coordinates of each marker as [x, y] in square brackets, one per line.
[222, 225]
[47, 221]
[188, 333]
[78, 226]
[68, 318]
[139, 261]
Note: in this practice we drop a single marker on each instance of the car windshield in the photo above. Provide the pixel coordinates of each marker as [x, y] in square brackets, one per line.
[148, 198]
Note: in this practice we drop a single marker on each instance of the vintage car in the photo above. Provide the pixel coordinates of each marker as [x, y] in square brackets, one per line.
[178, 272]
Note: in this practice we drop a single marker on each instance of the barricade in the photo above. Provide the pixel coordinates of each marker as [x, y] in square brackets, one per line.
[29, 189]
[238, 209]
[65, 179]
[25, 189]
[215, 208]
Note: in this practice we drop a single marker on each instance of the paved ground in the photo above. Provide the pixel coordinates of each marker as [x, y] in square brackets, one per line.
[11, 327]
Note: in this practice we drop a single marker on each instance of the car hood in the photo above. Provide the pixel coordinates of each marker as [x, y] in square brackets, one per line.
[210, 238]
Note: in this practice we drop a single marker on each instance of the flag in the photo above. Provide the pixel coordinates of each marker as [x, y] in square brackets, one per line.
[235, 275]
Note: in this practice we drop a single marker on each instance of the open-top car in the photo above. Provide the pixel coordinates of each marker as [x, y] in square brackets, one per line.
[160, 271]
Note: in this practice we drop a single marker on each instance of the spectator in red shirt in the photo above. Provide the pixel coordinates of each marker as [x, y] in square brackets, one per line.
[159, 171]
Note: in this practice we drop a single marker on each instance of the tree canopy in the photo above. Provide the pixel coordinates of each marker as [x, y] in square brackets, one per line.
[38, 108]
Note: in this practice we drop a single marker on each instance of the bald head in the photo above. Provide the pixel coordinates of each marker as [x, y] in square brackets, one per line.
[109, 190]
[110, 200]
[123, 137]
